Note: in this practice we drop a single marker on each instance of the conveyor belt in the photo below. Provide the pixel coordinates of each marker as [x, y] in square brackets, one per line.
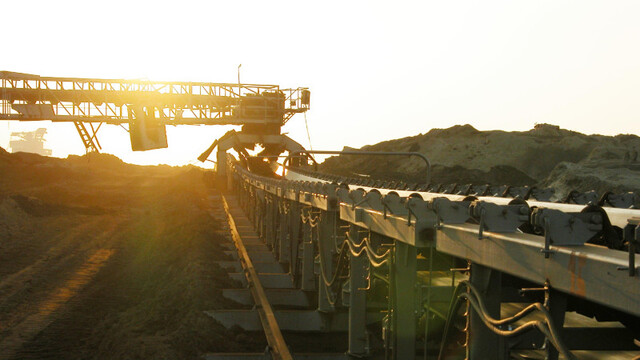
[618, 217]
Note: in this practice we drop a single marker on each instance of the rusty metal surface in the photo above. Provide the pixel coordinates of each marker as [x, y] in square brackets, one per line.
[587, 271]
[270, 326]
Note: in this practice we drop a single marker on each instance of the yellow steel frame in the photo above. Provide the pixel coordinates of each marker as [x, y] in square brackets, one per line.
[108, 100]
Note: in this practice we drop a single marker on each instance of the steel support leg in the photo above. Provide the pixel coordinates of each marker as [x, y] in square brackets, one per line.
[267, 221]
[557, 304]
[327, 250]
[358, 337]
[271, 222]
[262, 217]
[252, 205]
[284, 246]
[308, 277]
[221, 171]
[404, 299]
[276, 226]
[259, 217]
[294, 238]
[483, 343]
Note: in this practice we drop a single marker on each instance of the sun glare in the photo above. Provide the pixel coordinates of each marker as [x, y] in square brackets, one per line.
[377, 72]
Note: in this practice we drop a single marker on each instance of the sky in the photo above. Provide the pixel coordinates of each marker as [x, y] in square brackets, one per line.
[377, 70]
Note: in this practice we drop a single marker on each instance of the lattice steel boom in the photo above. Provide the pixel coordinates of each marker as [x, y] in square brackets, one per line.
[28, 97]
[147, 106]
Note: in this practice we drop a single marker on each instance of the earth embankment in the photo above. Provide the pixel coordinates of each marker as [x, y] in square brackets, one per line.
[544, 156]
[102, 259]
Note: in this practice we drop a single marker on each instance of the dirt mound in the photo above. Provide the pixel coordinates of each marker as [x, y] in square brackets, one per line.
[502, 174]
[456, 130]
[99, 180]
[102, 259]
[462, 154]
[585, 177]
[441, 174]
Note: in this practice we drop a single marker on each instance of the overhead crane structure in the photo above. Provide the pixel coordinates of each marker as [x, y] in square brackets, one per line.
[148, 106]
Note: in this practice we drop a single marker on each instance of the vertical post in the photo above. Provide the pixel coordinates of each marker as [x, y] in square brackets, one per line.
[246, 199]
[294, 237]
[484, 343]
[404, 301]
[221, 170]
[256, 209]
[284, 246]
[276, 225]
[358, 337]
[557, 305]
[270, 221]
[262, 215]
[252, 204]
[308, 277]
[326, 252]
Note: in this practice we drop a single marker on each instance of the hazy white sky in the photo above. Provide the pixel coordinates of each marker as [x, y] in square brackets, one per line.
[376, 70]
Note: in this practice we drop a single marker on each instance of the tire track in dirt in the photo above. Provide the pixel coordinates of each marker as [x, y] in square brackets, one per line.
[21, 291]
[46, 309]
[61, 298]
[61, 247]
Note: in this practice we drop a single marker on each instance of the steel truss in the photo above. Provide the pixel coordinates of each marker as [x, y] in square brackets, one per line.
[263, 108]
[28, 97]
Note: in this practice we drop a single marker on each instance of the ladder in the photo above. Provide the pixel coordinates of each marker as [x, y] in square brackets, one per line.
[90, 142]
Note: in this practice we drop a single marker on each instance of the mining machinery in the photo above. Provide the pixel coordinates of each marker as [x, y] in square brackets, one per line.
[147, 107]
[29, 141]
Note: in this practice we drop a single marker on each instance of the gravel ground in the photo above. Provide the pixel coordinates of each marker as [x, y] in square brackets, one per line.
[102, 259]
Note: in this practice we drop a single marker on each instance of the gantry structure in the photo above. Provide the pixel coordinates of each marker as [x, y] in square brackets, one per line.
[146, 107]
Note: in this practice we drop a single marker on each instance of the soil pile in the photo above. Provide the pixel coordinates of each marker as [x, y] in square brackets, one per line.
[545, 155]
[102, 259]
